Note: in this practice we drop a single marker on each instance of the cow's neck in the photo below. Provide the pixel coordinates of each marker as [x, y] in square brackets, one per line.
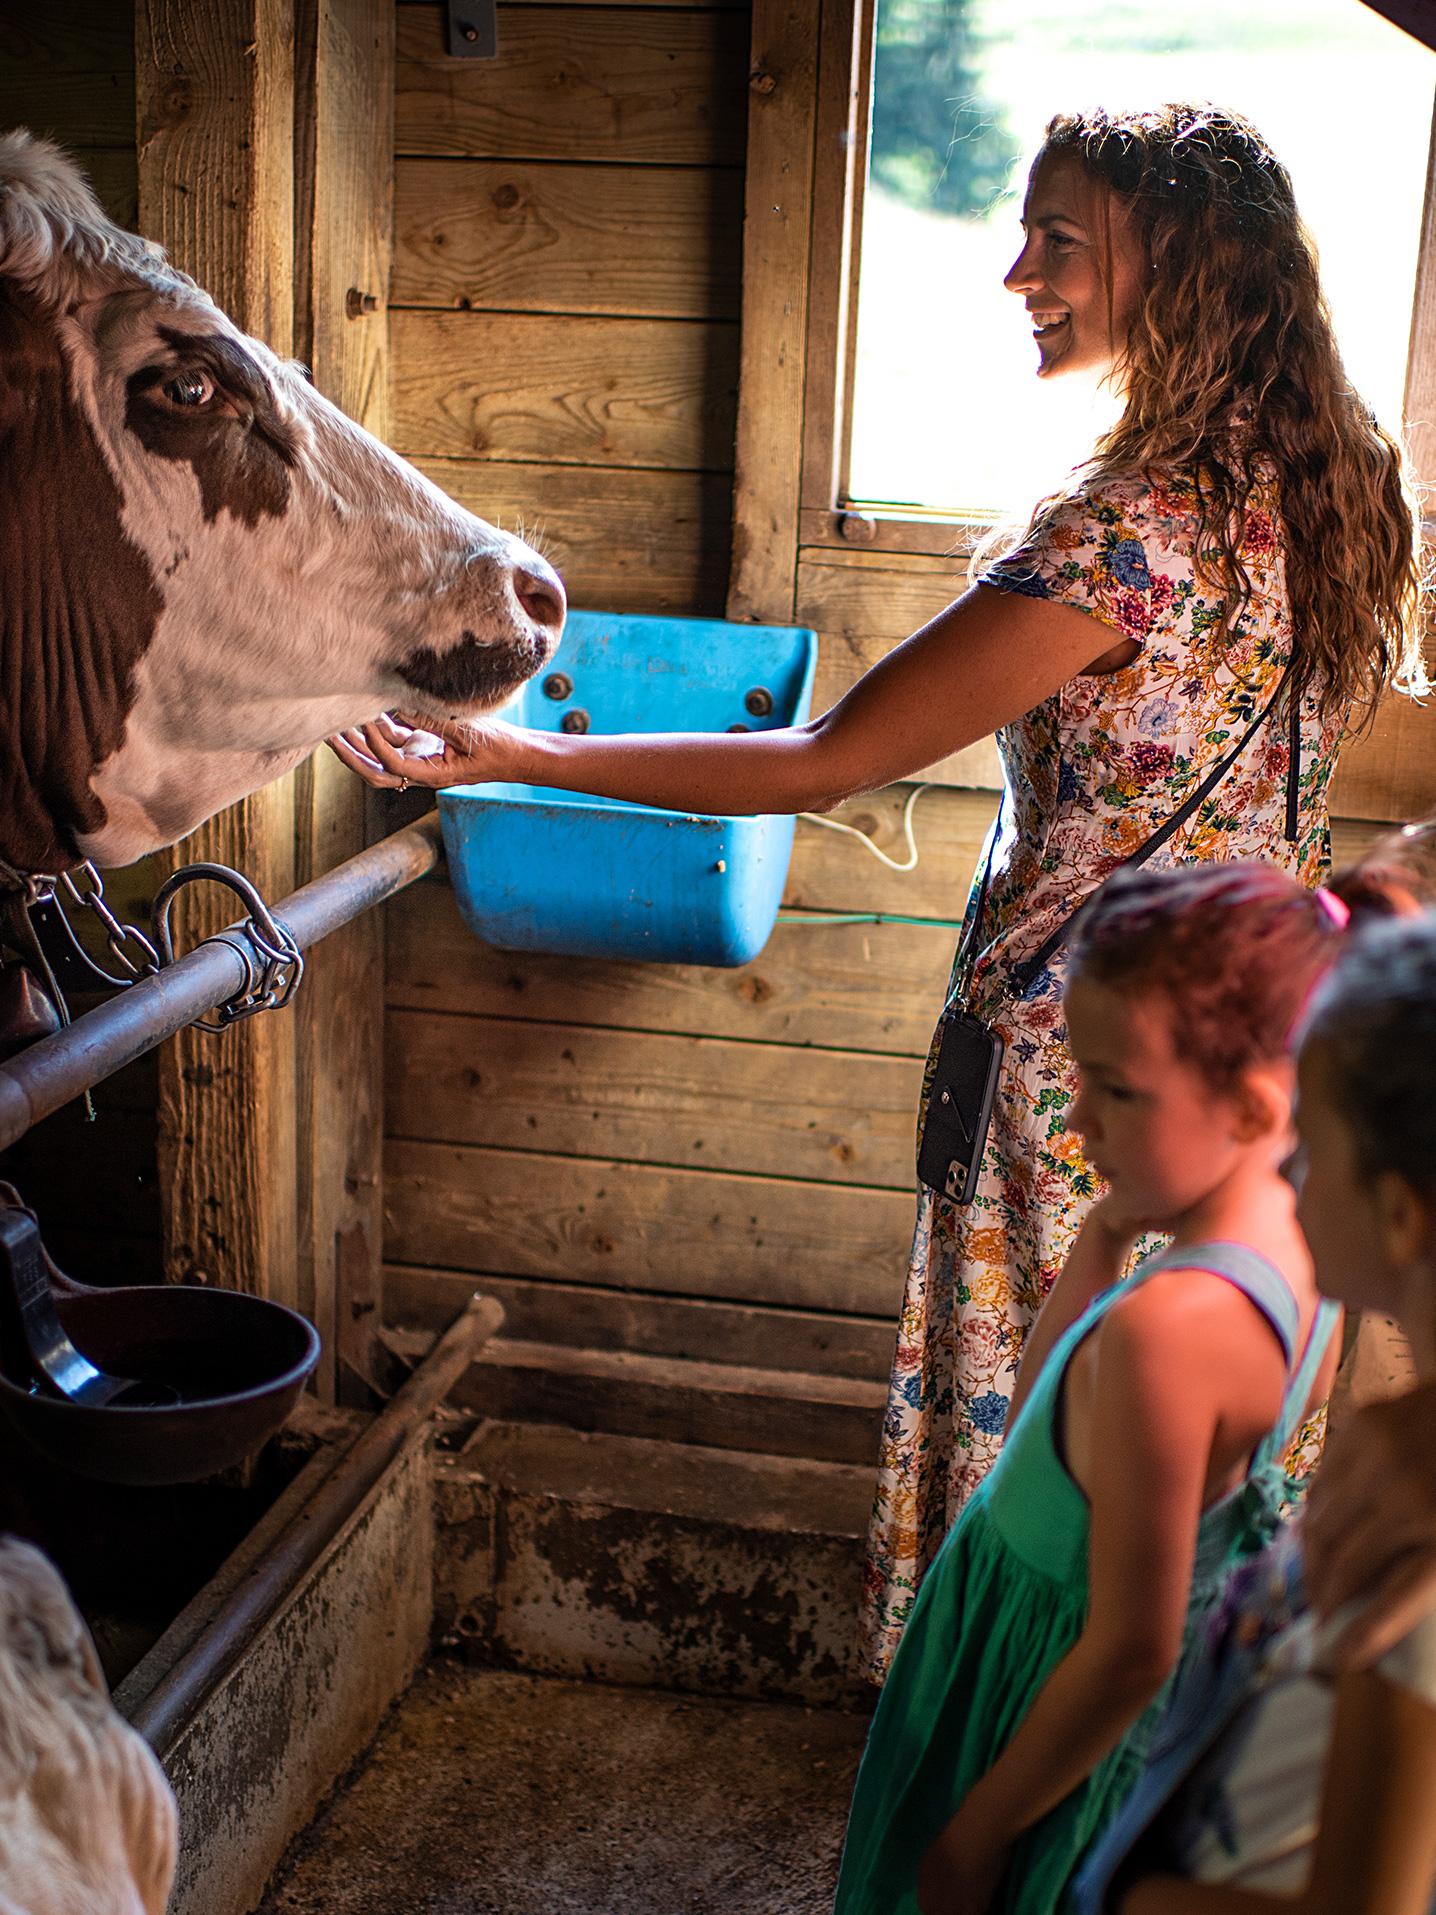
[78, 609]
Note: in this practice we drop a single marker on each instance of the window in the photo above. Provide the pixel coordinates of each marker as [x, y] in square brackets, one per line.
[945, 416]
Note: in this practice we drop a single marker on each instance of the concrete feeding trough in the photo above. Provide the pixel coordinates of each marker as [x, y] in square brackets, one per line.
[536, 869]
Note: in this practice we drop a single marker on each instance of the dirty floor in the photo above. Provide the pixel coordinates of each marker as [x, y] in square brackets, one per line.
[496, 1794]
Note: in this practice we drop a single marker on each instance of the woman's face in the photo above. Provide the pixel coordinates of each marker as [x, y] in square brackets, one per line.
[1059, 276]
[1152, 1125]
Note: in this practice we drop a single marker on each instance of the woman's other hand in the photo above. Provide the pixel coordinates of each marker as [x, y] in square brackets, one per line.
[397, 750]
[1370, 1528]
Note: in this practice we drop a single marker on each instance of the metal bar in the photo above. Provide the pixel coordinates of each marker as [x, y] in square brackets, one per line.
[39, 1080]
[172, 1703]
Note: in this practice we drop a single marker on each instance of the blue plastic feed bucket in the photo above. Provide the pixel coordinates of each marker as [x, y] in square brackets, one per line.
[541, 870]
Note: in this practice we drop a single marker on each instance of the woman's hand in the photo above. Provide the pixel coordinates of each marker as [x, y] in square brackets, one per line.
[961, 1872]
[1369, 1532]
[396, 750]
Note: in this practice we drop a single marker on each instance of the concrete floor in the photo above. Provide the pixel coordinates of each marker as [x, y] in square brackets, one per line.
[496, 1794]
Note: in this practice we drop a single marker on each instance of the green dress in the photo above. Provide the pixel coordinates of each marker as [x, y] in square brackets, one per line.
[1005, 1600]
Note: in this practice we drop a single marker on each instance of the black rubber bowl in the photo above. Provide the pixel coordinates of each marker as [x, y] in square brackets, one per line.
[237, 1363]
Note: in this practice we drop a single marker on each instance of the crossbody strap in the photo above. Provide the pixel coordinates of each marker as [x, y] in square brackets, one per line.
[1024, 974]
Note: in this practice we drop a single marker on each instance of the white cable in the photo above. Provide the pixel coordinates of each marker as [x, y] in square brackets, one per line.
[832, 824]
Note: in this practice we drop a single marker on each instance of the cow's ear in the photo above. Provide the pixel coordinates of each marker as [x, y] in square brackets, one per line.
[51, 225]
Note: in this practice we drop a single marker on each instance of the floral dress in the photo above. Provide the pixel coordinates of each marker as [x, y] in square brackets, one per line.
[1091, 773]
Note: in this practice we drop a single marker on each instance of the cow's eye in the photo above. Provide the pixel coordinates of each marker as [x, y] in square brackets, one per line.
[189, 389]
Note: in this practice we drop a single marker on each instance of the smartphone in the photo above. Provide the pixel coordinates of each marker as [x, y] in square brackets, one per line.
[959, 1107]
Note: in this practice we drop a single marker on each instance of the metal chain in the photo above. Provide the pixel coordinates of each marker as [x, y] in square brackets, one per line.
[90, 894]
[269, 983]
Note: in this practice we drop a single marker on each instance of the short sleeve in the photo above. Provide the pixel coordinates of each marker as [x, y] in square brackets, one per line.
[1412, 1663]
[1096, 552]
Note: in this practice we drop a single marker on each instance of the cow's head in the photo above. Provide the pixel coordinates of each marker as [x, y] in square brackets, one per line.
[204, 566]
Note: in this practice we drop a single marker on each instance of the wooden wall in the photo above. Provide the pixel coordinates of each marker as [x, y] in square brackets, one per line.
[564, 312]
[564, 304]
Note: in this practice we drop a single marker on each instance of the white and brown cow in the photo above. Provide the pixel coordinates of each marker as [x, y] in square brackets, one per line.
[204, 566]
[87, 1819]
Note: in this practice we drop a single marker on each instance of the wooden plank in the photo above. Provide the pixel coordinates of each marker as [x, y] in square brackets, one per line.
[215, 112]
[776, 249]
[871, 596]
[655, 241]
[683, 1232]
[551, 1311]
[840, 178]
[1391, 772]
[659, 394]
[649, 86]
[624, 541]
[864, 986]
[737, 5]
[651, 1097]
[68, 72]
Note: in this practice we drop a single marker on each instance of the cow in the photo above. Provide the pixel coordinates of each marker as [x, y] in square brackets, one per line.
[87, 1819]
[205, 567]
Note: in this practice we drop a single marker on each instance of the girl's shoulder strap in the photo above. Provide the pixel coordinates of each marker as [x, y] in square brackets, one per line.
[1256, 1276]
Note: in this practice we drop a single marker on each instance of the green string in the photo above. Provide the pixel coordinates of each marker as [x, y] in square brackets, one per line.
[863, 917]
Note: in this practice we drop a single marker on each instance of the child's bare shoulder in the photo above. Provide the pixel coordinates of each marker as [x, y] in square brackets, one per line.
[1181, 1305]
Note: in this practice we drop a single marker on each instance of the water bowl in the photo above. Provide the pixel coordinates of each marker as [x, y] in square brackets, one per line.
[231, 1367]
[535, 869]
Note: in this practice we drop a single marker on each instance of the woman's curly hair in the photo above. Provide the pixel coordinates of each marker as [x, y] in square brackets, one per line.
[1230, 367]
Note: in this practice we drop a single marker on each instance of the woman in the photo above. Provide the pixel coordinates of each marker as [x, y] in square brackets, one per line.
[1240, 537]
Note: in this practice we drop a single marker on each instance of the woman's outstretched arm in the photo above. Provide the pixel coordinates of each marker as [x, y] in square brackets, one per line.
[990, 657]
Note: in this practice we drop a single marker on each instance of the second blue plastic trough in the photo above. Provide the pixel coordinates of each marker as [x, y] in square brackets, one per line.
[541, 870]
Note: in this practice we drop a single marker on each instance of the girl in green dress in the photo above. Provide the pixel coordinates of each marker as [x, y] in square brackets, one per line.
[1146, 1455]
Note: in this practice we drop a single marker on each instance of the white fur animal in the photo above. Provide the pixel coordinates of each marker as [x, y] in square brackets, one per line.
[204, 566]
[87, 1819]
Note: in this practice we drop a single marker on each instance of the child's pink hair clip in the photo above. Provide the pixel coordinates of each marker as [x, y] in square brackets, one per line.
[1337, 909]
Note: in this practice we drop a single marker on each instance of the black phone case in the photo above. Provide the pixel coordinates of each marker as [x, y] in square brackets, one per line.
[959, 1107]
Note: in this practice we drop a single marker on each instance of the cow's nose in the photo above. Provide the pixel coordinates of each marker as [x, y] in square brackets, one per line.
[539, 590]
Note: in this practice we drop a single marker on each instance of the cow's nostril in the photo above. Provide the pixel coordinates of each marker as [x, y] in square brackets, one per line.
[541, 595]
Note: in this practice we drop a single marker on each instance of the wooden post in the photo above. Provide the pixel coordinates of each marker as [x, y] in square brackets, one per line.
[215, 112]
[777, 237]
[266, 155]
[343, 245]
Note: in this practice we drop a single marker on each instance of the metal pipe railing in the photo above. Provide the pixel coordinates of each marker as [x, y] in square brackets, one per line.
[56, 1069]
[164, 1712]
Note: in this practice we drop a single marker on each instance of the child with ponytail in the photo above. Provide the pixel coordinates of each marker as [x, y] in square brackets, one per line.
[1146, 1457]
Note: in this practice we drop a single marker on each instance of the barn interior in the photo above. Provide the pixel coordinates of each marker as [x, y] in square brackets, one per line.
[579, 1631]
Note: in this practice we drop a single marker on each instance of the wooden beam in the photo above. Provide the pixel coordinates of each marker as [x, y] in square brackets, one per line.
[346, 245]
[215, 113]
[777, 242]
